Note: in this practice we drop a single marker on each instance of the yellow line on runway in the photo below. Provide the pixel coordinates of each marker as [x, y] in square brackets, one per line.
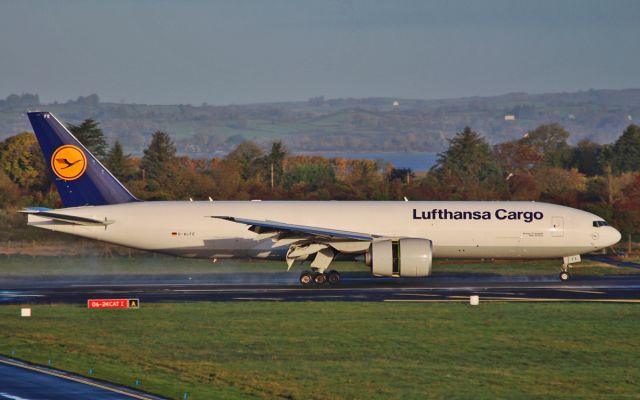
[582, 291]
[514, 299]
[423, 301]
[74, 379]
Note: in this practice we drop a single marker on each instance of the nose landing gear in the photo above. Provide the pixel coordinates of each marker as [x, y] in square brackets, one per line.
[566, 265]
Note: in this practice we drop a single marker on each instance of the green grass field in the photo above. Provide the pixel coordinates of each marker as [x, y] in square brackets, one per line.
[341, 350]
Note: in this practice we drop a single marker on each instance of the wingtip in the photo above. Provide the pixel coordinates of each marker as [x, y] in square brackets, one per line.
[226, 218]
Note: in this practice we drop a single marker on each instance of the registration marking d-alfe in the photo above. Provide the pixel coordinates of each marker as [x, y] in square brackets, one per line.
[113, 303]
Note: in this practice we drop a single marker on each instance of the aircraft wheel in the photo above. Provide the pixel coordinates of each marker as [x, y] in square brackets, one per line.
[564, 276]
[333, 277]
[306, 279]
[319, 278]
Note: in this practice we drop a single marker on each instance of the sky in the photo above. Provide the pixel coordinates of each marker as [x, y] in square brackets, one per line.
[251, 51]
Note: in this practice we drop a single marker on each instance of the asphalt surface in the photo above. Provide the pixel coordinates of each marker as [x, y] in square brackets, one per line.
[354, 287]
[21, 381]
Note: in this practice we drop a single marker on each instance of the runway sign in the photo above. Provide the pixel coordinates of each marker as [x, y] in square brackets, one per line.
[113, 303]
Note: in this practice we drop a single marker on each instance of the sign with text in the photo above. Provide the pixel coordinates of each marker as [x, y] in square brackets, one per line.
[113, 303]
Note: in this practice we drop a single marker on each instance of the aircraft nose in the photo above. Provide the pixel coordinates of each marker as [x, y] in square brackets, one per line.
[613, 235]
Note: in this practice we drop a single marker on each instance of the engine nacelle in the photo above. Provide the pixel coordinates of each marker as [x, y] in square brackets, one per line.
[407, 257]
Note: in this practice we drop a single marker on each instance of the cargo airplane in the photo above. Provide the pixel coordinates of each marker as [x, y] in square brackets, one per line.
[394, 238]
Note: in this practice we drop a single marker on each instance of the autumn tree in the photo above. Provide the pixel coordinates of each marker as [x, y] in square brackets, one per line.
[551, 141]
[91, 137]
[9, 192]
[517, 157]
[23, 163]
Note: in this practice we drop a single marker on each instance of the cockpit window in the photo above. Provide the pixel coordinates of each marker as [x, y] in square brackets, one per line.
[598, 224]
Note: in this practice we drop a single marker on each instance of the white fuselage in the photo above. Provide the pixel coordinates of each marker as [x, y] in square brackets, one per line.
[456, 229]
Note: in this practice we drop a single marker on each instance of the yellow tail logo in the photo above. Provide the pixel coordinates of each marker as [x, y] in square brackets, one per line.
[68, 162]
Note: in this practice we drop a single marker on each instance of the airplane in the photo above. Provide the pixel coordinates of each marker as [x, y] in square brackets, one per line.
[393, 238]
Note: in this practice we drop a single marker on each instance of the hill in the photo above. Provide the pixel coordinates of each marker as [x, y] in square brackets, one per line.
[371, 124]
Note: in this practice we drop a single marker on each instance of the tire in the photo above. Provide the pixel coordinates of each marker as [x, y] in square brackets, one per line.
[306, 279]
[564, 276]
[319, 278]
[333, 277]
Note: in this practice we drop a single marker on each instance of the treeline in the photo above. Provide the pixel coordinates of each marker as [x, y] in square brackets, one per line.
[540, 166]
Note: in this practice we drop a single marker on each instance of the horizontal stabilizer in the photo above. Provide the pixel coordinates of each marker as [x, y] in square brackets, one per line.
[258, 226]
[70, 219]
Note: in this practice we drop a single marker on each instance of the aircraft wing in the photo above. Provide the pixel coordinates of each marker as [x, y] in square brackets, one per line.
[70, 219]
[267, 226]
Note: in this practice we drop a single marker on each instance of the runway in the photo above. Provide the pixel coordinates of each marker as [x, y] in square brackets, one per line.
[22, 381]
[356, 287]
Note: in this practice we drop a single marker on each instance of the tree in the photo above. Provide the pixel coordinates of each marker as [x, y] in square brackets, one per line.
[551, 141]
[23, 162]
[626, 150]
[159, 162]
[91, 137]
[516, 157]
[468, 169]
[275, 160]
[305, 175]
[9, 192]
[589, 158]
[118, 163]
[249, 157]
[404, 175]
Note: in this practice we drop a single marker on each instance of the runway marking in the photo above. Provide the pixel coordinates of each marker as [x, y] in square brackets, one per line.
[583, 291]
[11, 397]
[84, 381]
[491, 292]
[543, 299]
[21, 295]
[418, 294]
[258, 298]
[423, 301]
[513, 299]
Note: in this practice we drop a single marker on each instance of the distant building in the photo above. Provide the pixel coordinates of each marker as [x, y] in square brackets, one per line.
[396, 103]
[509, 117]
[629, 118]
[572, 117]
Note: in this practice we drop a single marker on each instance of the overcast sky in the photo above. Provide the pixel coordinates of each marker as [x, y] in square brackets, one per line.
[163, 52]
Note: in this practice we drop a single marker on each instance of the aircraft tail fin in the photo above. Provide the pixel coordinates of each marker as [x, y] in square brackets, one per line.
[80, 178]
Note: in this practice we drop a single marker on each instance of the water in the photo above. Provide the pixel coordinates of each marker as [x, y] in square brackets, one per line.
[415, 161]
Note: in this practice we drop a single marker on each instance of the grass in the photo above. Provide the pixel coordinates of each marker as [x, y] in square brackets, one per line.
[341, 350]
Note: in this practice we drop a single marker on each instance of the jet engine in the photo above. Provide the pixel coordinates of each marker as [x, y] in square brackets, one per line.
[407, 257]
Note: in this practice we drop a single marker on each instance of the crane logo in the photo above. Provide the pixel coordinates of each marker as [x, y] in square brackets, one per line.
[68, 162]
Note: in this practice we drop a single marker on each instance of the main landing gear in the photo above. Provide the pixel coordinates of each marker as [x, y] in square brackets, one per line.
[316, 278]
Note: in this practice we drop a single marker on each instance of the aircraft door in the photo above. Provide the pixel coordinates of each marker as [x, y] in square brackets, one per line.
[557, 226]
